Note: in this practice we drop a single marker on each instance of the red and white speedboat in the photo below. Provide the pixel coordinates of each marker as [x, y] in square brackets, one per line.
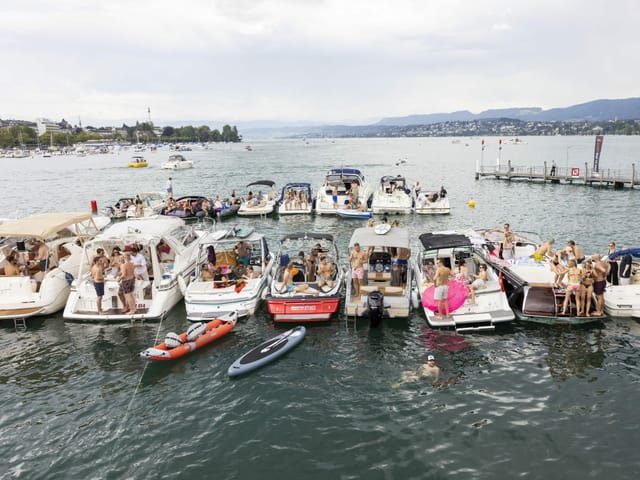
[311, 296]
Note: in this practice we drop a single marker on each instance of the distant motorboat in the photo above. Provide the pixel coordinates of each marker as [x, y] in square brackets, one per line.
[177, 162]
[336, 187]
[392, 196]
[137, 161]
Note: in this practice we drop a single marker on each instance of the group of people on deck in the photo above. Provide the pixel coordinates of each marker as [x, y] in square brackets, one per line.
[296, 199]
[318, 270]
[21, 262]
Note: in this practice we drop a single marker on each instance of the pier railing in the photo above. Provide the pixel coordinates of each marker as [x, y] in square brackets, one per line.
[618, 178]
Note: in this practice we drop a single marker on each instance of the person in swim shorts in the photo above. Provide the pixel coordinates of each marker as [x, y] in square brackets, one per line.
[600, 271]
[97, 274]
[357, 258]
[127, 284]
[441, 282]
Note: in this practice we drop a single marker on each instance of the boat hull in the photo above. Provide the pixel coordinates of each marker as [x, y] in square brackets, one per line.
[307, 309]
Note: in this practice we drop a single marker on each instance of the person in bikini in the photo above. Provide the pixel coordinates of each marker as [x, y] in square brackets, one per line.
[357, 258]
[586, 291]
[574, 277]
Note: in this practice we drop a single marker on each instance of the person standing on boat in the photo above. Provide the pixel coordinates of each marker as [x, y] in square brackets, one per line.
[127, 284]
[139, 207]
[43, 257]
[577, 251]
[139, 264]
[357, 258]
[612, 276]
[441, 282]
[600, 271]
[169, 187]
[625, 268]
[97, 274]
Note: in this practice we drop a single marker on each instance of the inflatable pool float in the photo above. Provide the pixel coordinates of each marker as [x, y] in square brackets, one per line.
[457, 295]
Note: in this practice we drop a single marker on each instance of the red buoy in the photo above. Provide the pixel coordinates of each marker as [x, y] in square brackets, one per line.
[94, 207]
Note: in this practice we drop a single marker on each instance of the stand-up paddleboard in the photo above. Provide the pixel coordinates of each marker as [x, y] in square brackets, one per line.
[347, 213]
[268, 351]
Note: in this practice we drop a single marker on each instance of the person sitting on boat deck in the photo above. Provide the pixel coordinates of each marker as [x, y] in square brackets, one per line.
[11, 268]
[433, 198]
[287, 283]
[558, 269]
[358, 259]
[600, 271]
[577, 251]
[480, 282]
[462, 274]
[544, 251]
[97, 274]
[326, 273]
[441, 281]
[207, 271]
[139, 264]
[243, 253]
[249, 273]
[114, 260]
[429, 272]
[205, 209]
[586, 289]
[220, 280]
[42, 257]
[574, 277]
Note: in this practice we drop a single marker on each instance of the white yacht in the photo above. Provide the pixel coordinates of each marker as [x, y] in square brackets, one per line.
[260, 203]
[333, 194]
[169, 247]
[392, 196]
[296, 198]
[37, 292]
[177, 162]
[205, 297]
[387, 273]
[491, 305]
[624, 300]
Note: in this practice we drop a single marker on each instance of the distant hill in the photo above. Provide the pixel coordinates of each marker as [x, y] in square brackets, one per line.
[594, 111]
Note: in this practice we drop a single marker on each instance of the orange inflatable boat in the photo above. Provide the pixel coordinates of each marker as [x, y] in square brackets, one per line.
[198, 335]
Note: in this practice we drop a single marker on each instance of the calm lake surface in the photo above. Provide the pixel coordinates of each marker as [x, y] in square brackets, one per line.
[525, 401]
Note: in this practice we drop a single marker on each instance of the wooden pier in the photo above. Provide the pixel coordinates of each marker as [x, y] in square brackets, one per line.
[618, 179]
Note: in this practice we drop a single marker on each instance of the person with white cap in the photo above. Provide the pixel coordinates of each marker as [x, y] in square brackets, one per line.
[429, 369]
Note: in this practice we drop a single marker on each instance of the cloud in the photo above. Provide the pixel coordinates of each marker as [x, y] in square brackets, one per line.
[324, 60]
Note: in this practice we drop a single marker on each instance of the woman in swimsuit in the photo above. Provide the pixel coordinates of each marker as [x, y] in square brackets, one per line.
[586, 291]
[574, 276]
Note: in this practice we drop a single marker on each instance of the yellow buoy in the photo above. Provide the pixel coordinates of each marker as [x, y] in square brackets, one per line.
[472, 203]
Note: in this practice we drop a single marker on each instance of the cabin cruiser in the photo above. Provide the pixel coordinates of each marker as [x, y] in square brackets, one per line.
[42, 285]
[295, 198]
[392, 196]
[433, 203]
[316, 279]
[259, 203]
[177, 162]
[243, 260]
[169, 247]
[338, 184]
[388, 280]
[453, 248]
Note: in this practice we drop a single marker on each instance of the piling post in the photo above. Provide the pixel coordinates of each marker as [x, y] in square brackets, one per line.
[633, 175]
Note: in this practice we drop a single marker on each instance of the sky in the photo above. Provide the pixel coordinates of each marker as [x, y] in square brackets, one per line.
[109, 62]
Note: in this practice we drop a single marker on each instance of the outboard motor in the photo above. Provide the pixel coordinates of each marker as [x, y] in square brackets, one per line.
[375, 307]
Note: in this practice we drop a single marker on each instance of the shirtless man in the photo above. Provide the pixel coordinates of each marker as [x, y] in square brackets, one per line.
[577, 251]
[544, 250]
[600, 271]
[243, 253]
[325, 272]
[43, 257]
[441, 282]
[428, 370]
[97, 274]
[11, 267]
[127, 284]
[287, 284]
[357, 258]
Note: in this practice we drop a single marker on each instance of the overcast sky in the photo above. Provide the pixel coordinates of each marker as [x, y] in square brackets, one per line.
[333, 61]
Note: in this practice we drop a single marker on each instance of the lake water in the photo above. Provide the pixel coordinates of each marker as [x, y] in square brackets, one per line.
[526, 401]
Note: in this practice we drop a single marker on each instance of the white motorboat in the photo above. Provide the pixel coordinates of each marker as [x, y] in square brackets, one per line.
[169, 247]
[387, 273]
[338, 184]
[37, 292]
[433, 203]
[152, 204]
[624, 300]
[295, 198]
[491, 306]
[261, 203]
[321, 297]
[392, 196]
[205, 297]
[177, 162]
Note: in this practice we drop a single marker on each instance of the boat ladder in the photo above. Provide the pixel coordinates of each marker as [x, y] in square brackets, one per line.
[20, 324]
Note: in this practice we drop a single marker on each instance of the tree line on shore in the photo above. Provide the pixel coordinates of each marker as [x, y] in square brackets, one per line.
[24, 136]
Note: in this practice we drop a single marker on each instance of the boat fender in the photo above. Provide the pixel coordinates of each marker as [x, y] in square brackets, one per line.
[195, 330]
[172, 340]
